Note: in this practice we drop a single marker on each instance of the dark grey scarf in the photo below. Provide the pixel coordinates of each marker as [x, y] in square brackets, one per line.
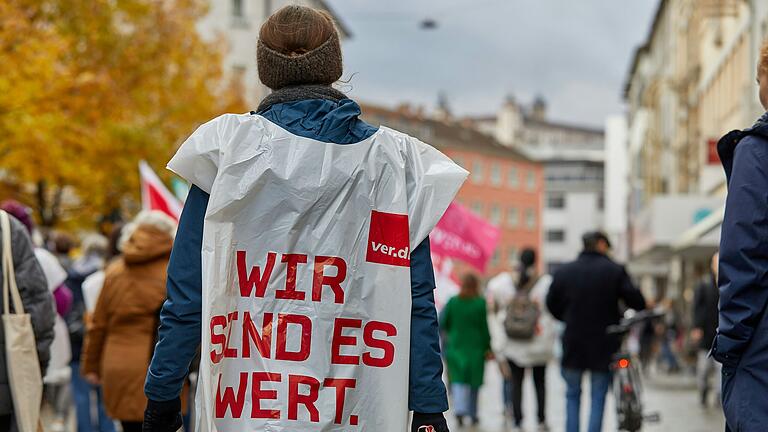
[301, 92]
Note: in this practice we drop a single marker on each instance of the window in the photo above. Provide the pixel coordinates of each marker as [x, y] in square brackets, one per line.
[555, 236]
[513, 178]
[237, 8]
[556, 201]
[477, 207]
[530, 180]
[496, 174]
[477, 171]
[530, 219]
[495, 215]
[513, 217]
[512, 256]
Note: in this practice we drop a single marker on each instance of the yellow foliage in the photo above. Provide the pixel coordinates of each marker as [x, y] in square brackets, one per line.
[89, 88]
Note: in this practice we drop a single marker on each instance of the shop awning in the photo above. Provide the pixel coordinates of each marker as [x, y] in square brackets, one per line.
[703, 235]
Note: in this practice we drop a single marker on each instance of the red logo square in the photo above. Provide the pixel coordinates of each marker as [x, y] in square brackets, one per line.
[389, 239]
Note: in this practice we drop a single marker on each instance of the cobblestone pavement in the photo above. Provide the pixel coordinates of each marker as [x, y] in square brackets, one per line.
[674, 398]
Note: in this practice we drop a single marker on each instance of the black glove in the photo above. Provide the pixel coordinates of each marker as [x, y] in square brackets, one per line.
[429, 423]
[162, 416]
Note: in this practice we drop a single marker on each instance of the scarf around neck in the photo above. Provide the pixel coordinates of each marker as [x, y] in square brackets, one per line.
[301, 92]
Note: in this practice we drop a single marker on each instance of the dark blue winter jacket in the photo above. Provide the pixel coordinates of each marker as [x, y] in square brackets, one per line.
[741, 344]
[180, 329]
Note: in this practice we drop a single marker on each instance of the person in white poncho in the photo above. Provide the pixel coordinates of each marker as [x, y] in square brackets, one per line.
[303, 256]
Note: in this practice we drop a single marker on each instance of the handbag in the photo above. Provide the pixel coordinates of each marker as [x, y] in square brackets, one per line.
[21, 358]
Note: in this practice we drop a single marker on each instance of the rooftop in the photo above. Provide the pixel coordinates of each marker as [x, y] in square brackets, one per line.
[456, 134]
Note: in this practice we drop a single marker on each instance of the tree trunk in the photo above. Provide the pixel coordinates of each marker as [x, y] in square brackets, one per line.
[49, 199]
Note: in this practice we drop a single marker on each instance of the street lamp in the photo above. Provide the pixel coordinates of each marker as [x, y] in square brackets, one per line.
[428, 24]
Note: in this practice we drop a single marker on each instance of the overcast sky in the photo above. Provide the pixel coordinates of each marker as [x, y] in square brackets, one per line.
[575, 53]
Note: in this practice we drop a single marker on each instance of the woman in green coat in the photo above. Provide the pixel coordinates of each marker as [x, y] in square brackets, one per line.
[467, 345]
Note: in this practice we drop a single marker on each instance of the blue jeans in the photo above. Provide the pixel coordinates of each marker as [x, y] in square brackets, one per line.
[464, 400]
[82, 391]
[600, 383]
[506, 390]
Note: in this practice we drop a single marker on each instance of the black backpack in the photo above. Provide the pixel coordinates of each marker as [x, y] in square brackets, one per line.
[522, 314]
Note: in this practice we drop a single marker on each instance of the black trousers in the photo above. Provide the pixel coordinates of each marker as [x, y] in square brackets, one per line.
[5, 422]
[539, 381]
[131, 426]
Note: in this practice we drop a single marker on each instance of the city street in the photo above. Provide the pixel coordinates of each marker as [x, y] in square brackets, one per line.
[675, 399]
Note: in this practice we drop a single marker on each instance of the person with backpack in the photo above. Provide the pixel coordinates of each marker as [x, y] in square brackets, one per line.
[300, 209]
[467, 347]
[38, 303]
[523, 334]
[588, 295]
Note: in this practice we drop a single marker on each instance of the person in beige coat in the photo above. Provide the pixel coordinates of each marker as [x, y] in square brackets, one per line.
[122, 333]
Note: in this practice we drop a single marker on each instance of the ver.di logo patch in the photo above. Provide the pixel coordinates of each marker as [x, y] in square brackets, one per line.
[389, 239]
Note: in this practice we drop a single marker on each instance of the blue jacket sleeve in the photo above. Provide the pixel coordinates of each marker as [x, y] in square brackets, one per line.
[743, 251]
[426, 390]
[180, 330]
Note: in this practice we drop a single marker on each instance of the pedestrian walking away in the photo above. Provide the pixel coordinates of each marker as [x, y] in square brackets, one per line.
[87, 278]
[122, 331]
[467, 346]
[586, 295]
[522, 306]
[705, 318]
[320, 222]
[741, 344]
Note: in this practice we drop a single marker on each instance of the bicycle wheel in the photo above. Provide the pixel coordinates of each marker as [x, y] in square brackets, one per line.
[629, 410]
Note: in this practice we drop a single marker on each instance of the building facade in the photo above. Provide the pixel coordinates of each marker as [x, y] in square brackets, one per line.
[235, 24]
[691, 82]
[572, 157]
[616, 179]
[504, 187]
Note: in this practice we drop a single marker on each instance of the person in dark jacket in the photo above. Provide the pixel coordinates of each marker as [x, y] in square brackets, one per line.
[38, 303]
[304, 104]
[704, 329]
[587, 296]
[741, 344]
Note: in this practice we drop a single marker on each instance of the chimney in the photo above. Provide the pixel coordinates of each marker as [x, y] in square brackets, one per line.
[539, 111]
[443, 111]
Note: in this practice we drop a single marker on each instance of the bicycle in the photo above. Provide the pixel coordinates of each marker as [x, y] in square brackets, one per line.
[627, 382]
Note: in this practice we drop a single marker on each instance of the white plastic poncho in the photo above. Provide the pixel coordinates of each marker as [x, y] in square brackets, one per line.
[306, 278]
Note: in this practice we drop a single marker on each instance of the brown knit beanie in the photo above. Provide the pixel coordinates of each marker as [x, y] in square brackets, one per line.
[299, 45]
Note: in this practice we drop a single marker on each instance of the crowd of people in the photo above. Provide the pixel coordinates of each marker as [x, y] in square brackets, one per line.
[97, 326]
[117, 319]
[522, 315]
[516, 324]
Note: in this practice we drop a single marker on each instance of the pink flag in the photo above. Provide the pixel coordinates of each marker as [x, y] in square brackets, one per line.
[154, 194]
[465, 236]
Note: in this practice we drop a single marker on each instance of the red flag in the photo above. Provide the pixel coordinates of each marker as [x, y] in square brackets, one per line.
[154, 194]
[465, 236]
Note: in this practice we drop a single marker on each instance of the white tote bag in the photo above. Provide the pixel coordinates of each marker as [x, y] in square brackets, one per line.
[24, 375]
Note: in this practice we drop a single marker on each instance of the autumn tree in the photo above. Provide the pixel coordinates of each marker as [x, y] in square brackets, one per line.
[89, 88]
